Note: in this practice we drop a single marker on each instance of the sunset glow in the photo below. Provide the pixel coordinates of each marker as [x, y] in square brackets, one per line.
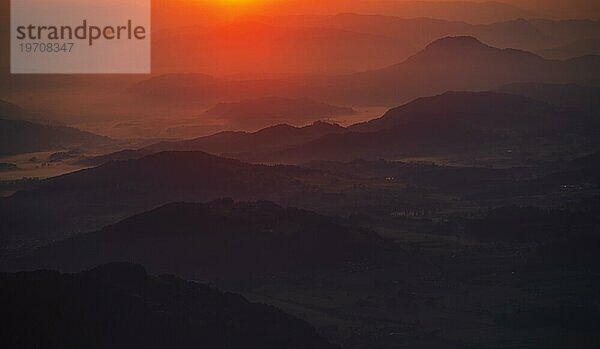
[236, 8]
[353, 173]
[243, 4]
[239, 2]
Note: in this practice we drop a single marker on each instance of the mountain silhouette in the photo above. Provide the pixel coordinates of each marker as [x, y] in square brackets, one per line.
[454, 122]
[92, 198]
[251, 47]
[18, 134]
[526, 34]
[214, 240]
[10, 111]
[268, 111]
[268, 139]
[120, 306]
[456, 63]
[488, 109]
[580, 97]
[239, 145]
[573, 49]
[344, 42]
[461, 63]
[467, 11]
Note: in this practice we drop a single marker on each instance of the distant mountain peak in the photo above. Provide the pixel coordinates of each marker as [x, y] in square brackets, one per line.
[456, 105]
[10, 111]
[317, 126]
[326, 124]
[453, 42]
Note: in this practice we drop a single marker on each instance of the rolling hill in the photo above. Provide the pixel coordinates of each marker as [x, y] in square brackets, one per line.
[90, 199]
[10, 111]
[581, 97]
[480, 109]
[214, 240]
[467, 11]
[237, 145]
[341, 43]
[573, 49]
[20, 135]
[525, 34]
[448, 64]
[268, 111]
[272, 138]
[530, 117]
[455, 64]
[456, 123]
[120, 306]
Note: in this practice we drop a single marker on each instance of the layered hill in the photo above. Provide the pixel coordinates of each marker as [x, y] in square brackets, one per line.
[214, 240]
[448, 64]
[485, 109]
[532, 118]
[121, 306]
[251, 47]
[92, 198]
[10, 111]
[525, 34]
[457, 63]
[234, 144]
[457, 123]
[579, 97]
[573, 49]
[18, 134]
[268, 139]
[269, 111]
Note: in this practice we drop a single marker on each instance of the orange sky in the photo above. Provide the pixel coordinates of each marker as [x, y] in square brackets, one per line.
[541, 8]
[168, 14]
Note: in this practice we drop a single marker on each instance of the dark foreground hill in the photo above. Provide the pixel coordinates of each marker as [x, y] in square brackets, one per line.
[119, 306]
[214, 240]
[90, 199]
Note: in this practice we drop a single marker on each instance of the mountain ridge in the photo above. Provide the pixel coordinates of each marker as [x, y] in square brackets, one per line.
[21, 133]
[215, 239]
[120, 306]
[119, 189]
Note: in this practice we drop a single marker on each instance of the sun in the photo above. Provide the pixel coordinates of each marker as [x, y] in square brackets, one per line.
[241, 3]
[233, 9]
[236, 8]
[238, 2]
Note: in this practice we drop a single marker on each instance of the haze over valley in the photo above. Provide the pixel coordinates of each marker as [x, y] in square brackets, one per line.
[307, 174]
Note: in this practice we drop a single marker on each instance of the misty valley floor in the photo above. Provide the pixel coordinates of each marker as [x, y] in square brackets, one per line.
[458, 266]
[446, 296]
